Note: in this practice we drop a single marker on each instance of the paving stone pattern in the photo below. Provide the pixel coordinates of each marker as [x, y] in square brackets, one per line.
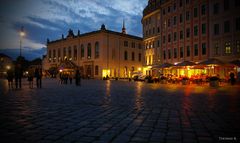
[119, 112]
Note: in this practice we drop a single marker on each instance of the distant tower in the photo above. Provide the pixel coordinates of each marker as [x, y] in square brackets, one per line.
[123, 28]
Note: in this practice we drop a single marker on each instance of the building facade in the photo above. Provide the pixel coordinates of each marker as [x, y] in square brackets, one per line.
[6, 63]
[190, 30]
[98, 54]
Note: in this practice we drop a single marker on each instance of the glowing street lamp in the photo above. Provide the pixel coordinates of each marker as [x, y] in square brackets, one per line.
[8, 67]
[22, 34]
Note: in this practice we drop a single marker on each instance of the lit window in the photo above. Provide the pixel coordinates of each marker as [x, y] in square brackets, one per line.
[228, 48]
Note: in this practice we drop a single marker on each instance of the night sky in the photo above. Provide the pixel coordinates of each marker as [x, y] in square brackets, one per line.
[44, 19]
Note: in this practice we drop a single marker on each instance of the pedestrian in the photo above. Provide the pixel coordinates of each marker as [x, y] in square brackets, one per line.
[78, 78]
[18, 76]
[232, 78]
[38, 75]
[70, 78]
[10, 76]
[30, 78]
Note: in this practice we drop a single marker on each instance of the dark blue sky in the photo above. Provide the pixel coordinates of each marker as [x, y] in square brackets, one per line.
[44, 19]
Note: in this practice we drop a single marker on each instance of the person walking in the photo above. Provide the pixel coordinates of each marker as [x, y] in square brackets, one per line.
[38, 75]
[30, 77]
[10, 76]
[78, 78]
[232, 78]
[18, 76]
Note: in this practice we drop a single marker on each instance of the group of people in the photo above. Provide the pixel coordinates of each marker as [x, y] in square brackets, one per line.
[17, 75]
[64, 77]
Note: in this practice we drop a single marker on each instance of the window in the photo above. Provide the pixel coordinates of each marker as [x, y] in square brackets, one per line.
[133, 45]
[164, 54]
[188, 51]
[180, 3]
[203, 9]
[139, 46]
[216, 8]
[97, 50]
[59, 54]
[195, 49]
[164, 38]
[187, 1]
[226, 5]
[228, 48]
[195, 30]
[82, 51]
[169, 9]
[158, 29]
[169, 54]
[89, 51]
[169, 22]
[175, 52]
[75, 53]
[64, 53]
[49, 54]
[174, 20]
[153, 30]
[187, 15]
[238, 24]
[216, 29]
[169, 37]
[216, 47]
[188, 32]
[133, 56]
[70, 53]
[126, 43]
[195, 13]
[181, 52]
[226, 26]
[181, 35]
[54, 55]
[158, 43]
[125, 55]
[96, 70]
[204, 28]
[238, 46]
[174, 6]
[181, 18]
[204, 50]
[175, 36]
[163, 11]
[139, 57]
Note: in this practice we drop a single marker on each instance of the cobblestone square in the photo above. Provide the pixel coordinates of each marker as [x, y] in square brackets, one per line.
[119, 112]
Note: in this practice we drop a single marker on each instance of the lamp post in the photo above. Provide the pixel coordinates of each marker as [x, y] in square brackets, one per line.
[22, 34]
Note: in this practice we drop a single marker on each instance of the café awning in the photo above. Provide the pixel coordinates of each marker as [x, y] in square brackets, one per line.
[212, 61]
[185, 63]
[164, 65]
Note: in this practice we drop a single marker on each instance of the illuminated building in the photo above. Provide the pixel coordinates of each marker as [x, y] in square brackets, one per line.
[190, 30]
[97, 54]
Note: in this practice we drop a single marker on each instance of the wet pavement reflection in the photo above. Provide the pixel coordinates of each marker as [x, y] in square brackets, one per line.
[119, 111]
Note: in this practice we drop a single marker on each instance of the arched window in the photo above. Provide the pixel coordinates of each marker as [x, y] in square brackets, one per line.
[75, 53]
[139, 57]
[82, 51]
[89, 51]
[70, 53]
[125, 55]
[133, 56]
[97, 50]
[96, 70]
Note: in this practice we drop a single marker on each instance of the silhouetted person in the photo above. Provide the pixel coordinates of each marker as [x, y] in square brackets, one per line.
[30, 78]
[232, 78]
[70, 78]
[78, 78]
[10, 76]
[18, 76]
[38, 75]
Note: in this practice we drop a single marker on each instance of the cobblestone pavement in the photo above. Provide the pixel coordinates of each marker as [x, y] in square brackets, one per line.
[119, 112]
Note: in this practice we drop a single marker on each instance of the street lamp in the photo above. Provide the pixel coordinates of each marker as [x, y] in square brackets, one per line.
[22, 34]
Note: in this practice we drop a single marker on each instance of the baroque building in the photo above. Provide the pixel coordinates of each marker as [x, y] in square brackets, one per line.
[190, 30]
[98, 54]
